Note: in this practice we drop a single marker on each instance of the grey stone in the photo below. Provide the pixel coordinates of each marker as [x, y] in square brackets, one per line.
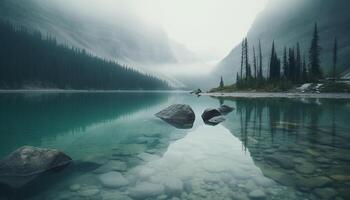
[144, 190]
[112, 165]
[282, 161]
[27, 163]
[305, 168]
[178, 115]
[74, 187]
[325, 193]
[216, 120]
[314, 182]
[89, 192]
[257, 194]
[113, 180]
[224, 109]
[210, 113]
[173, 185]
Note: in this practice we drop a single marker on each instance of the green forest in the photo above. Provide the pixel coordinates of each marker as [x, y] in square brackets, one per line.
[29, 59]
[294, 67]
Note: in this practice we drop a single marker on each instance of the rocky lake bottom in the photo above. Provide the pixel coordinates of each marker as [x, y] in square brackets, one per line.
[267, 148]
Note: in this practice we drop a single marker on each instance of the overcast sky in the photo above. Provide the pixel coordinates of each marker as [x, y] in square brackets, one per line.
[207, 27]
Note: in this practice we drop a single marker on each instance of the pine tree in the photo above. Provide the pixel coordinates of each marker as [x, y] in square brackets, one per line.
[221, 83]
[304, 73]
[335, 57]
[285, 63]
[247, 65]
[260, 62]
[298, 65]
[314, 56]
[274, 64]
[254, 63]
[291, 65]
[242, 57]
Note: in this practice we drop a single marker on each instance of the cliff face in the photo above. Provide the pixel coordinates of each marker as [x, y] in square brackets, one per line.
[289, 22]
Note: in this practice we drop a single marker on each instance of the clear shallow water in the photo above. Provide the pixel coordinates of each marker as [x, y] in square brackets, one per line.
[267, 148]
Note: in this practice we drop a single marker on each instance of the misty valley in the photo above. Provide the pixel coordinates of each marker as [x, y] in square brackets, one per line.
[174, 100]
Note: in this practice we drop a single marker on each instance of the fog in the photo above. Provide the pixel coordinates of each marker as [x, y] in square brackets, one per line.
[209, 28]
[172, 38]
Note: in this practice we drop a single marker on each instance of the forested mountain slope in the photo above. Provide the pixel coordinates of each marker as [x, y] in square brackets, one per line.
[30, 60]
[289, 22]
[121, 36]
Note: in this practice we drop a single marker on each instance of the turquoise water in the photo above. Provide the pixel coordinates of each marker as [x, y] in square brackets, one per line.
[268, 148]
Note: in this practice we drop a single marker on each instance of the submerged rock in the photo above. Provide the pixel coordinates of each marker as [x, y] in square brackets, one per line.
[314, 182]
[210, 113]
[178, 115]
[113, 180]
[257, 194]
[224, 109]
[215, 120]
[145, 190]
[27, 163]
[113, 165]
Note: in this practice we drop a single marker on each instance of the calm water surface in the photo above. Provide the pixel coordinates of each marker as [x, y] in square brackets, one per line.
[268, 148]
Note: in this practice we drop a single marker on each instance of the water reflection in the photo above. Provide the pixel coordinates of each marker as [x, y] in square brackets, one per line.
[303, 144]
[208, 159]
[27, 119]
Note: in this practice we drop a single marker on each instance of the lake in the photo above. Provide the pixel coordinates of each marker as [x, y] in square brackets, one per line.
[268, 148]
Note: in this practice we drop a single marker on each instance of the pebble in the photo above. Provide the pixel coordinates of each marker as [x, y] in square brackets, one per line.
[74, 187]
[89, 192]
[113, 180]
[257, 194]
[325, 193]
[314, 182]
[145, 190]
[112, 165]
[305, 168]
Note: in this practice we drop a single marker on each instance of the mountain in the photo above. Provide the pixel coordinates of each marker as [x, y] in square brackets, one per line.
[289, 22]
[29, 60]
[121, 36]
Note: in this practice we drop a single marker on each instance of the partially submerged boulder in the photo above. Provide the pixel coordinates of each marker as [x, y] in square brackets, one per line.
[178, 115]
[27, 163]
[224, 109]
[210, 113]
[215, 120]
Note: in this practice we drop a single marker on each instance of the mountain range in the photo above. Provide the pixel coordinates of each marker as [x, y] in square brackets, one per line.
[289, 22]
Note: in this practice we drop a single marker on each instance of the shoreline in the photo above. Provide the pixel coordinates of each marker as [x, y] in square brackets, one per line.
[279, 95]
[88, 91]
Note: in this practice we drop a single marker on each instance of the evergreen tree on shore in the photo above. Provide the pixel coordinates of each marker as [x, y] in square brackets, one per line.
[335, 57]
[285, 64]
[221, 83]
[260, 62]
[254, 63]
[298, 65]
[275, 64]
[314, 56]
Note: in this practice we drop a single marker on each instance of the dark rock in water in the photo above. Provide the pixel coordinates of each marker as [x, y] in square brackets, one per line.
[27, 163]
[198, 91]
[210, 113]
[215, 120]
[178, 115]
[224, 109]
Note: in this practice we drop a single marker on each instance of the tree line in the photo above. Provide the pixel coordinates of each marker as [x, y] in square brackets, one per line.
[292, 68]
[30, 59]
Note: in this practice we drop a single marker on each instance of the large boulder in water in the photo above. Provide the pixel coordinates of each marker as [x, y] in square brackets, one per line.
[178, 115]
[27, 163]
[224, 109]
[215, 120]
[210, 113]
